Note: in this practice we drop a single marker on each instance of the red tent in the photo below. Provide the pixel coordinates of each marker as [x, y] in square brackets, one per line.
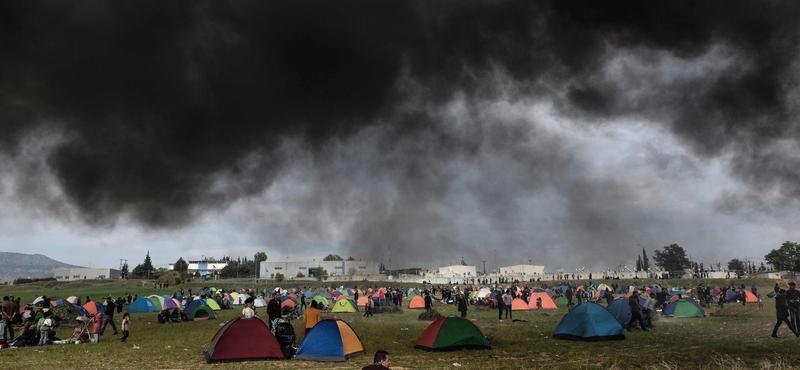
[241, 340]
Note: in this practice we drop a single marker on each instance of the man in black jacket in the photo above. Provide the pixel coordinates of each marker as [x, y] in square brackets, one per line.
[110, 306]
[636, 312]
[782, 311]
[793, 299]
[274, 308]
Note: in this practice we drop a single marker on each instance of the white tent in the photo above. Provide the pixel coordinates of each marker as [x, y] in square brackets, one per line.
[260, 302]
[37, 300]
[160, 300]
[239, 299]
[72, 299]
[484, 292]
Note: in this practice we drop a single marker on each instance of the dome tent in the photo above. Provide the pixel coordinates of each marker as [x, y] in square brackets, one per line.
[589, 322]
[241, 340]
[452, 333]
[344, 305]
[684, 307]
[142, 305]
[331, 339]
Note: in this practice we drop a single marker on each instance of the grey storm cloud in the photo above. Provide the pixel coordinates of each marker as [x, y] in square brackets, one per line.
[164, 112]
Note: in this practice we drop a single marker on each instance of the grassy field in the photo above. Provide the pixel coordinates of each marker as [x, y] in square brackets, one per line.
[736, 337]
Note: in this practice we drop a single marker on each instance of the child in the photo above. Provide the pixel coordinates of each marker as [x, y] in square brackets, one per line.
[44, 325]
[97, 321]
[539, 303]
[760, 303]
[126, 321]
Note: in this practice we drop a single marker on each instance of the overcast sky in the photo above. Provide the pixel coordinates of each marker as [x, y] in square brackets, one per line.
[571, 134]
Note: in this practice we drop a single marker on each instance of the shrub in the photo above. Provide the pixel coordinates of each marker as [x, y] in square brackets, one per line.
[429, 316]
[390, 308]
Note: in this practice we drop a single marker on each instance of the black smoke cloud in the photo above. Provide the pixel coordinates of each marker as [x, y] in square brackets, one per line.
[170, 110]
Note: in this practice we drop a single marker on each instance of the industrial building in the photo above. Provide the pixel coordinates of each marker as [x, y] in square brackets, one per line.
[289, 269]
[73, 274]
[205, 267]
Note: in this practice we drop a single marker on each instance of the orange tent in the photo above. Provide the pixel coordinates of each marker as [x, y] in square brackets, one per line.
[519, 305]
[547, 302]
[417, 302]
[750, 297]
[91, 307]
[362, 301]
[674, 298]
[518, 293]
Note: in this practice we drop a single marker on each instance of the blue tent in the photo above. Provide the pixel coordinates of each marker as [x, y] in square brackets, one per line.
[308, 294]
[330, 340]
[194, 304]
[82, 310]
[621, 310]
[142, 305]
[589, 322]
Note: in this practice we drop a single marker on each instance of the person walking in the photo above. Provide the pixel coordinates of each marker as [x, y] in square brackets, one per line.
[782, 312]
[636, 312]
[793, 300]
[110, 307]
[126, 322]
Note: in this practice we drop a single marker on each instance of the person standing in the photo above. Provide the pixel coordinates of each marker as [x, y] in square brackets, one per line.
[782, 311]
[568, 294]
[312, 317]
[428, 302]
[462, 305]
[303, 303]
[648, 308]
[110, 306]
[7, 312]
[126, 322]
[368, 306]
[500, 308]
[97, 324]
[508, 301]
[760, 303]
[274, 308]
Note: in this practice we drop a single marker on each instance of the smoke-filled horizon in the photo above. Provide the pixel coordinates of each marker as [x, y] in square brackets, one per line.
[570, 134]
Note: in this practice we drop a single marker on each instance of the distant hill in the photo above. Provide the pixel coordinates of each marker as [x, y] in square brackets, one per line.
[20, 265]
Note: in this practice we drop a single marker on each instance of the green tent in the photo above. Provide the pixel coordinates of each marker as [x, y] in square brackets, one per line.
[452, 333]
[684, 307]
[411, 296]
[202, 312]
[771, 294]
[344, 305]
[212, 303]
[562, 301]
[321, 300]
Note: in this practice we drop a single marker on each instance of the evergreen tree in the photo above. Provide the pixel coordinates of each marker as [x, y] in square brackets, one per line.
[645, 260]
[181, 265]
[147, 266]
[639, 263]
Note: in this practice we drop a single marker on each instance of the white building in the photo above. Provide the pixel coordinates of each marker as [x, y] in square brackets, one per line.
[74, 274]
[290, 269]
[204, 267]
[523, 271]
[458, 271]
[768, 275]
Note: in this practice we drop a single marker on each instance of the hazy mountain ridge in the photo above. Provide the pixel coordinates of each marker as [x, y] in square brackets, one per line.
[19, 265]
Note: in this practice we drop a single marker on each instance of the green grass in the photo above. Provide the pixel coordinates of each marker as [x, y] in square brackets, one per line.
[735, 337]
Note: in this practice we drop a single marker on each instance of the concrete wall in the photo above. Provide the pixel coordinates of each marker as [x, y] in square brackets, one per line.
[458, 270]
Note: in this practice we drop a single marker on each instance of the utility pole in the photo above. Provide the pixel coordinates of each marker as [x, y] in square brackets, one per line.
[484, 267]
